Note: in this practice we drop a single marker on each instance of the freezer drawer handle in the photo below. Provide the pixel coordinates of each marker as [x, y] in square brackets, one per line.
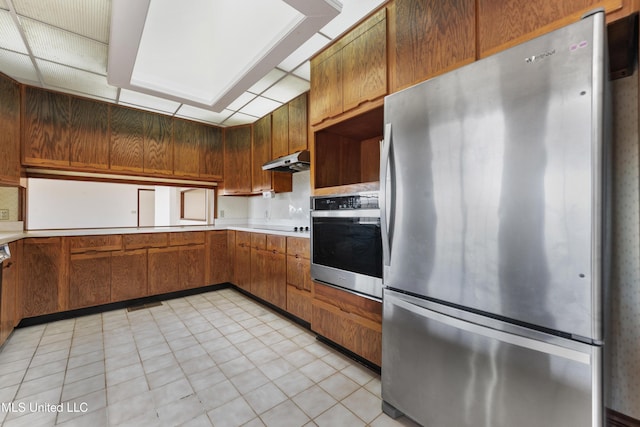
[520, 341]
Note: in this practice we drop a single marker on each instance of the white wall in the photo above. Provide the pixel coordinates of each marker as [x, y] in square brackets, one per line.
[79, 204]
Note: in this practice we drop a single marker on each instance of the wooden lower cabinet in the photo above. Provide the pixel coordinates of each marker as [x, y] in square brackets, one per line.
[242, 260]
[269, 268]
[349, 320]
[191, 266]
[43, 273]
[89, 279]
[128, 275]
[298, 278]
[9, 316]
[218, 263]
[163, 274]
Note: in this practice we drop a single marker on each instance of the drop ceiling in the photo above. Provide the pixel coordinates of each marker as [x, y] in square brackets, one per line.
[63, 45]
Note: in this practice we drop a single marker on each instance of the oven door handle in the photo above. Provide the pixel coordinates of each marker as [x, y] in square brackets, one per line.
[385, 198]
[351, 213]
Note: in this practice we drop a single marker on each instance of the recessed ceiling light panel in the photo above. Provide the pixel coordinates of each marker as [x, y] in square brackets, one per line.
[207, 53]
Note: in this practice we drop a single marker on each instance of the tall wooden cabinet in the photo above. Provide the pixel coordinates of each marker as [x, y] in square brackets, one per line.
[10, 134]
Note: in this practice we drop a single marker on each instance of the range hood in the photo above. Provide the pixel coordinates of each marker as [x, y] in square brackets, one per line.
[295, 162]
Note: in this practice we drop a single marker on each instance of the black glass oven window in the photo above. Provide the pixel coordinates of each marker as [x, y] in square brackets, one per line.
[351, 244]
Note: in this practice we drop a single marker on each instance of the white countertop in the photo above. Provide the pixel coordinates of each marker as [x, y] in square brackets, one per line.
[11, 236]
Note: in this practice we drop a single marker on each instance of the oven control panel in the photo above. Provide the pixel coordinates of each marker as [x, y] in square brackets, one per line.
[368, 200]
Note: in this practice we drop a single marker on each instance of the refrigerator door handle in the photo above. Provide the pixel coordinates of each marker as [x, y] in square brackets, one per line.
[505, 337]
[382, 198]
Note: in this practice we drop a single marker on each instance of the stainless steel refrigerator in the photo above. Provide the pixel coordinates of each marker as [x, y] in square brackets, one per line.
[493, 213]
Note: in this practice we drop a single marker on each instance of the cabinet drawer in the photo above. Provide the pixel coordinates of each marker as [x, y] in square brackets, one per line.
[298, 247]
[276, 243]
[361, 336]
[243, 238]
[299, 303]
[95, 243]
[348, 302]
[258, 241]
[145, 240]
[186, 238]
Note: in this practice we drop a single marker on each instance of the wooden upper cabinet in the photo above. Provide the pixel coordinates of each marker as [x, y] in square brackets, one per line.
[260, 154]
[298, 124]
[364, 63]
[503, 24]
[46, 128]
[430, 37]
[290, 127]
[351, 72]
[186, 148]
[280, 132]
[325, 87]
[127, 139]
[211, 153]
[89, 134]
[158, 148]
[237, 160]
[10, 134]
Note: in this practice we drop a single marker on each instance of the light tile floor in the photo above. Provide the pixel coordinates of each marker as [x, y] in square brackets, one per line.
[217, 358]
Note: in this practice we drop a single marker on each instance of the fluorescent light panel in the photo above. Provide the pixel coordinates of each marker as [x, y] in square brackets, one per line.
[207, 53]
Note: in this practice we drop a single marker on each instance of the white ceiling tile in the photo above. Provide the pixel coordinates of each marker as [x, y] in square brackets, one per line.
[260, 107]
[60, 46]
[352, 12]
[9, 34]
[239, 119]
[242, 100]
[3, 5]
[148, 102]
[78, 81]
[304, 52]
[18, 67]
[194, 113]
[88, 18]
[287, 89]
[303, 71]
[267, 81]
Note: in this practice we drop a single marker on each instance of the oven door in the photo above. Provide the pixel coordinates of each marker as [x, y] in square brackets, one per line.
[346, 250]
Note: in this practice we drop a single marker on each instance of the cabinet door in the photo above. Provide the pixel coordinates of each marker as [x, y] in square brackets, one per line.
[364, 62]
[186, 148]
[298, 124]
[128, 275]
[261, 153]
[42, 273]
[89, 279]
[237, 160]
[89, 134]
[275, 278]
[280, 132]
[46, 128]
[502, 24]
[242, 260]
[127, 139]
[326, 87]
[10, 135]
[431, 37]
[211, 153]
[163, 270]
[192, 266]
[218, 268]
[8, 311]
[158, 145]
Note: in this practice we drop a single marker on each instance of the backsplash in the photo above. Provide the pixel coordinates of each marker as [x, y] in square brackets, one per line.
[283, 209]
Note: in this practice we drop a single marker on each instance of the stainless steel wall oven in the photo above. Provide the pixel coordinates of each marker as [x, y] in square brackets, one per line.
[346, 243]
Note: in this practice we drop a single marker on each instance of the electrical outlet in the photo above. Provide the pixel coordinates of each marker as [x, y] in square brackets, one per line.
[221, 213]
[266, 213]
[4, 214]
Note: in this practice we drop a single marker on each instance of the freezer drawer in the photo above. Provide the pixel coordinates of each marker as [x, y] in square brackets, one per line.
[444, 371]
